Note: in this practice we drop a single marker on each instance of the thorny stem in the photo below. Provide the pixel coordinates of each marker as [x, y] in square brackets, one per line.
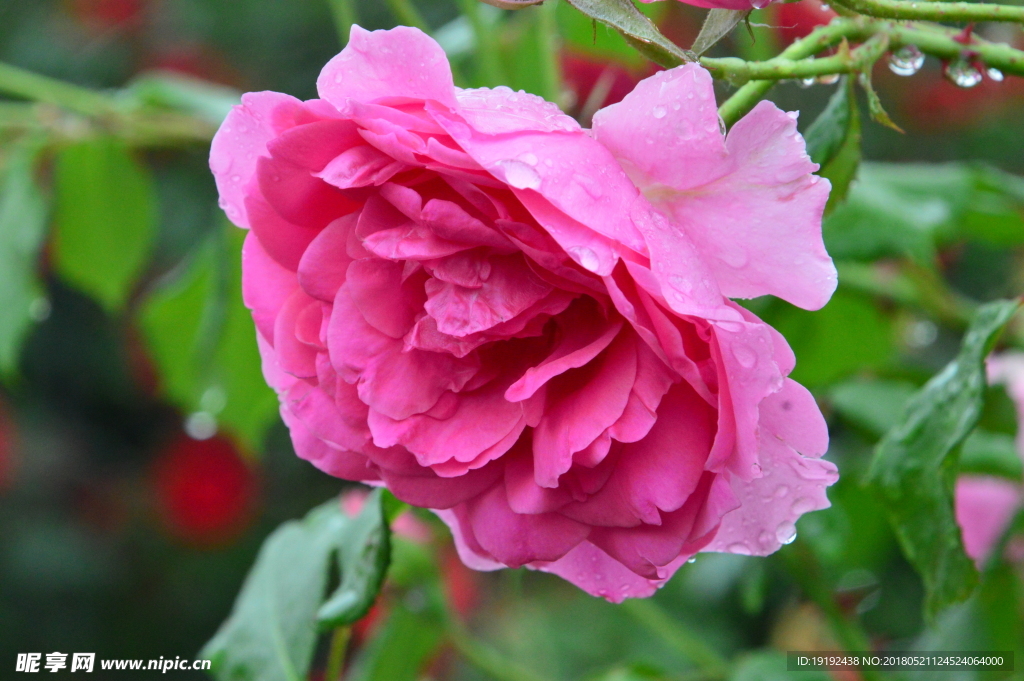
[910, 10]
[941, 42]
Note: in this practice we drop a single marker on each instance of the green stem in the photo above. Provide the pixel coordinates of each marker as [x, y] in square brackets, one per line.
[344, 12]
[488, 62]
[905, 10]
[779, 68]
[336, 654]
[27, 85]
[669, 630]
[744, 99]
[941, 42]
[407, 14]
[485, 658]
[548, 43]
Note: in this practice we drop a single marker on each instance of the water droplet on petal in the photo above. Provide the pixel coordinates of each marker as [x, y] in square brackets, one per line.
[802, 505]
[829, 79]
[587, 259]
[765, 538]
[962, 73]
[692, 560]
[755, 469]
[658, 112]
[735, 257]
[236, 178]
[995, 74]
[529, 158]
[786, 533]
[781, 492]
[738, 548]
[745, 355]
[906, 61]
[520, 175]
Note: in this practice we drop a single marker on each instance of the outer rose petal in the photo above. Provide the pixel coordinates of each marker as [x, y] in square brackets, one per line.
[984, 507]
[402, 62]
[790, 486]
[597, 573]
[749, 204]
[239, 142]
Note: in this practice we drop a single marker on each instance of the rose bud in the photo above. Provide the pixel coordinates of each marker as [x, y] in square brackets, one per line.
[526, 326]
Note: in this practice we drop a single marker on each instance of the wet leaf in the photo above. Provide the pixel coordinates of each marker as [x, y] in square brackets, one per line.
[637, 29]
[916, 463]
[272, 631]
[105, 218]
[717, 24]
[22, 228]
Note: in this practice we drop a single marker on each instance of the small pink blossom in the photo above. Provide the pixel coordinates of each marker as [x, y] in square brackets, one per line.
[986, 504]
[525, 325]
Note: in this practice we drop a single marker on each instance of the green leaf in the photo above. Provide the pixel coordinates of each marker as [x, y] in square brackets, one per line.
[988, 453]
[834, 142]
[875, 108]
[271, 632]
[202, 340]
[915, 465]
[636, 28]
[106, 212]
[22, 228]
[718, 23]
[849, 334]
[364, 558]
[873, 405]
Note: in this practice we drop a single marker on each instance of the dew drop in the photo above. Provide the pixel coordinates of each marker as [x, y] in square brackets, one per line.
[236, 178]
[781, 492]
[735, 257]
[829, 79]
[520, 175]
[786, 533]
[962, 73]
[906, 61]
[692, 560]
[807, 82]
[995, 74]
[802, 505]
[676, 106]
[765, 538]
[529, 159]
[39, 309]
[585, 257]
[755, 469]
[658, 112]
[738, 548]
[745, 355]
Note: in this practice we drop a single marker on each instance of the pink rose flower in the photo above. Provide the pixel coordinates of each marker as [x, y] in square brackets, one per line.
[986, 504]
[524, 325]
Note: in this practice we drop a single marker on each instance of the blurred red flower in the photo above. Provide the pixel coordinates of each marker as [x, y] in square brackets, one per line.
[205, 492]
[794, 20]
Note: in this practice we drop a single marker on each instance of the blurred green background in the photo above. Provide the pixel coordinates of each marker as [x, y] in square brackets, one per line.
[142, 461]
